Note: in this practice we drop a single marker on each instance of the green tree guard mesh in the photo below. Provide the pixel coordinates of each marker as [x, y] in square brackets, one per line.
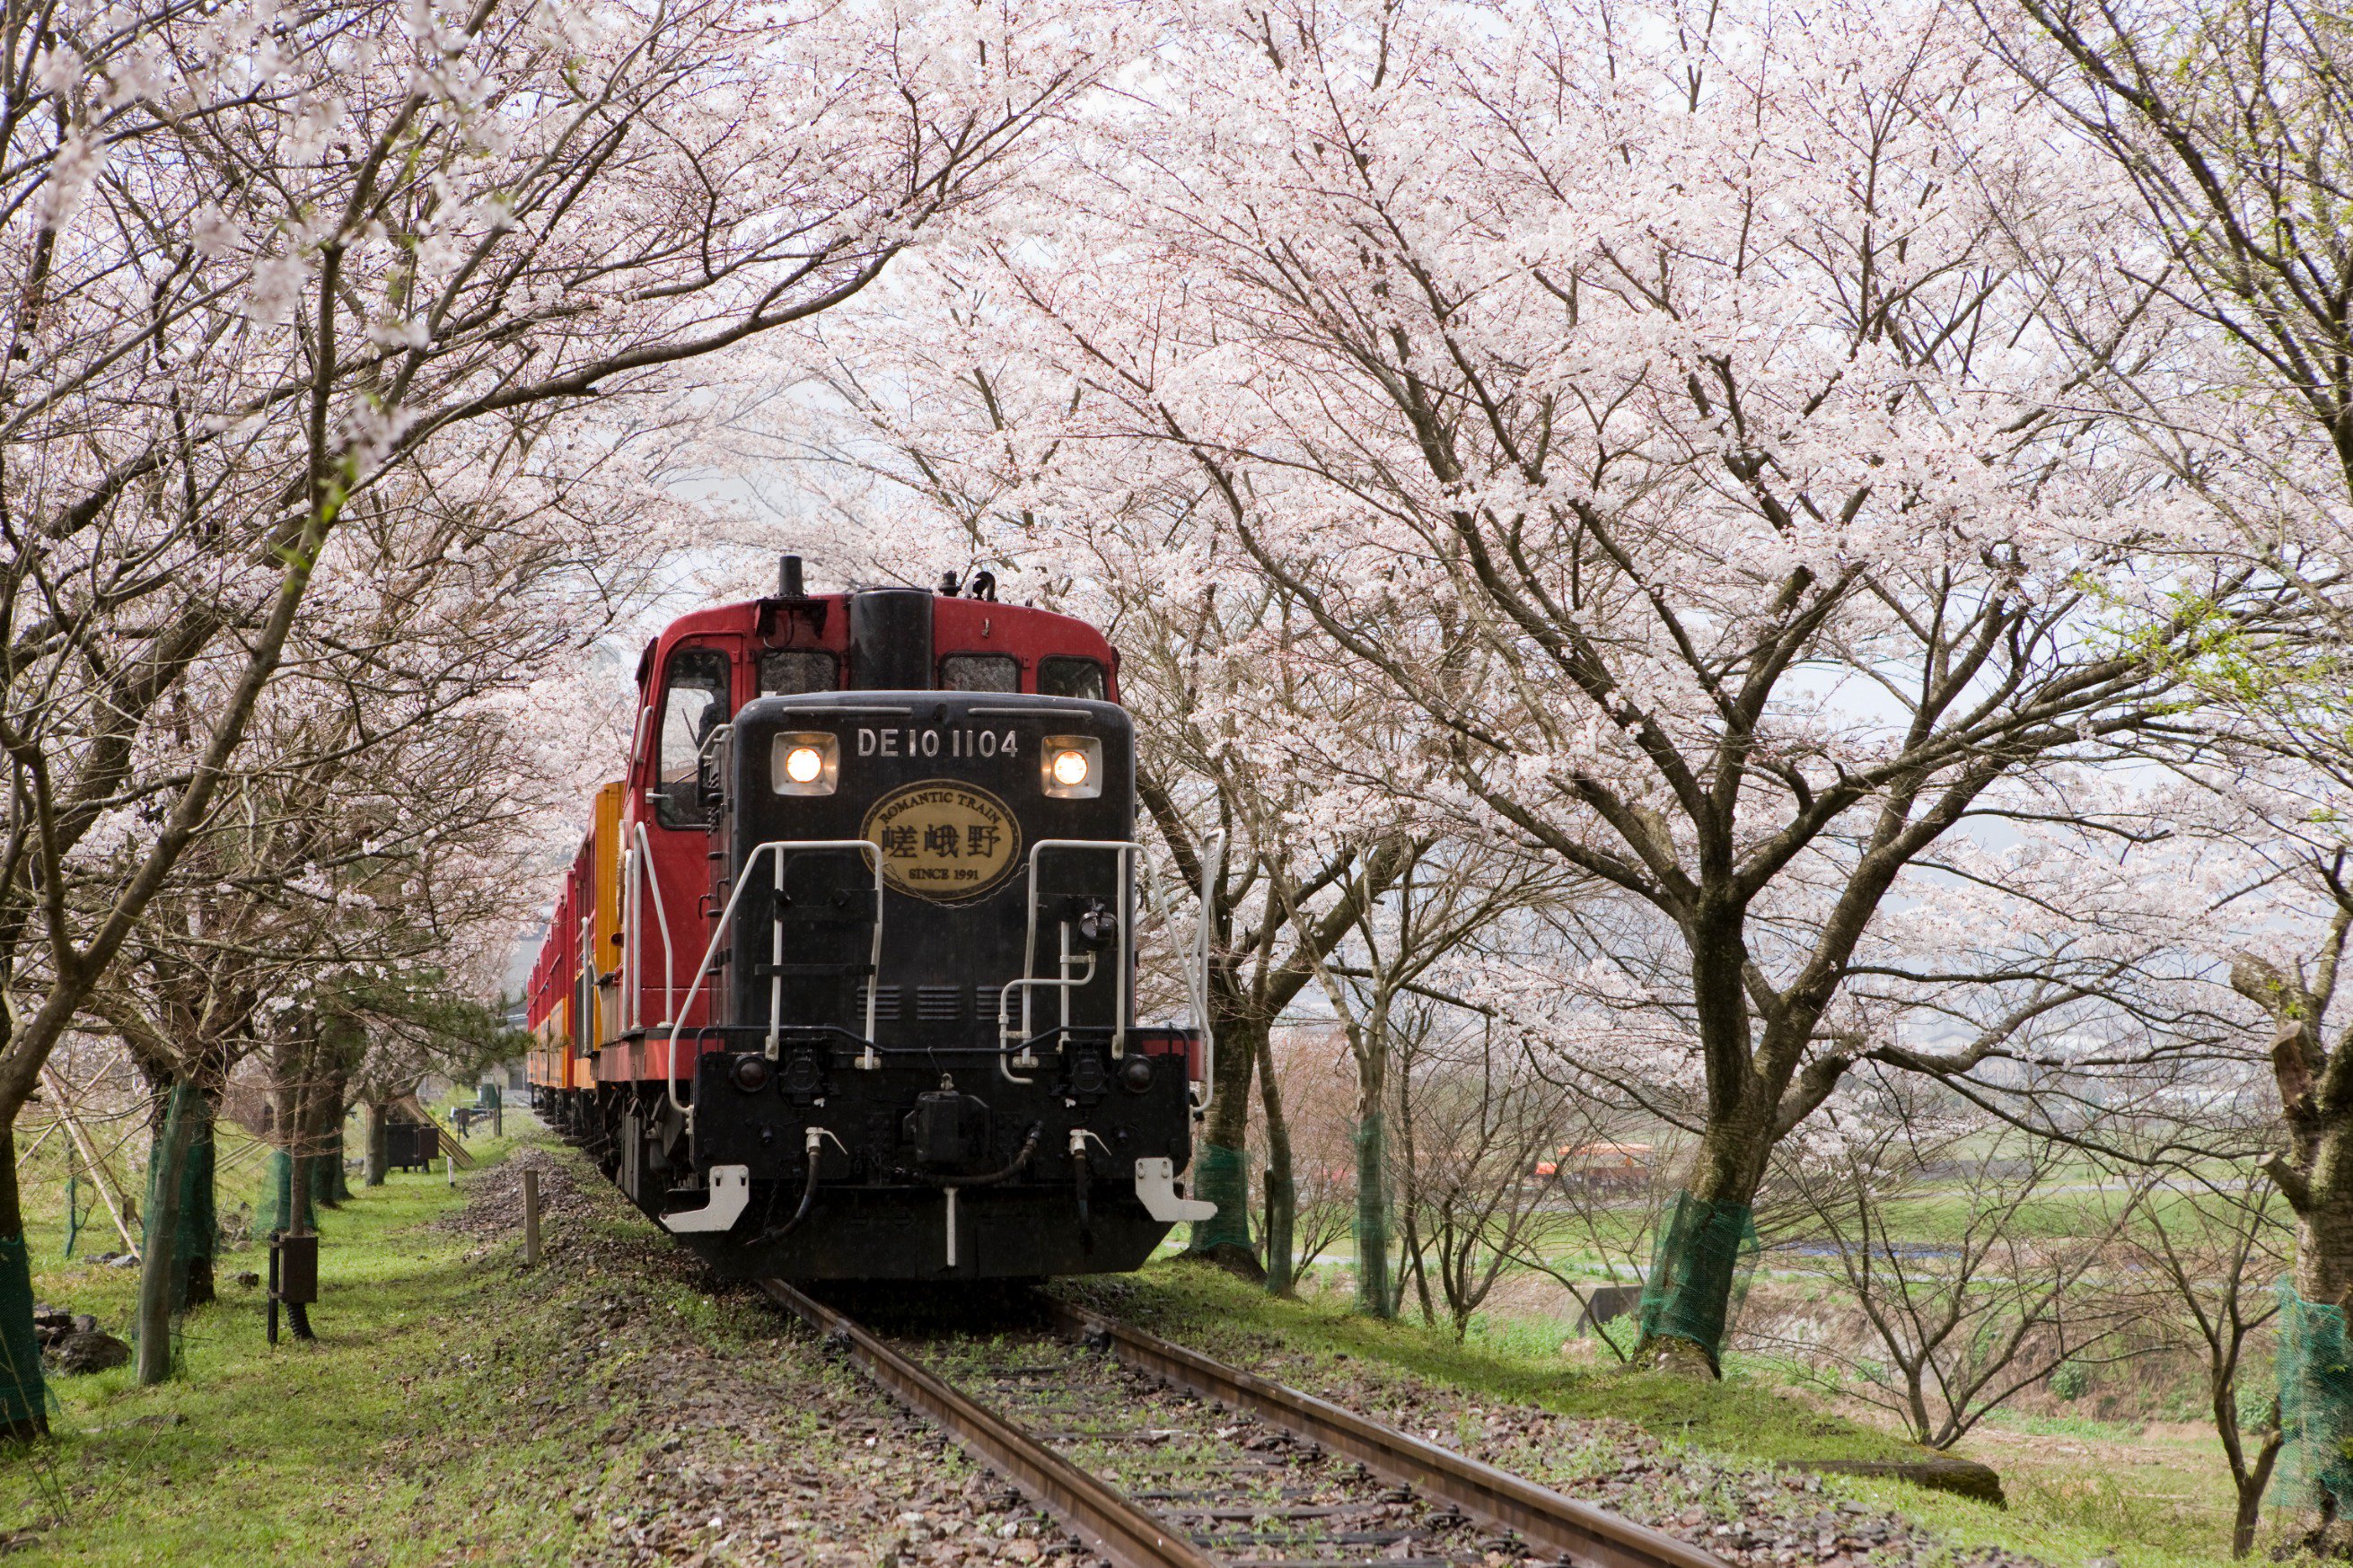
[275, 1211]
[1218, 1176]
[2316, 1395]
[1281, 1211]
[329, 1187]
[193, 1232]
[23, 1398]
[1375, 1298]
[1699, 1273]
[200, 1206]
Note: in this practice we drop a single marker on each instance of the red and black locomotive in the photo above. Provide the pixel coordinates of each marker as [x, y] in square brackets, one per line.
[842, 981]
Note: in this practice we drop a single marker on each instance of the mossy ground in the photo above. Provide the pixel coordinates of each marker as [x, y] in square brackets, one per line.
[391, 1439]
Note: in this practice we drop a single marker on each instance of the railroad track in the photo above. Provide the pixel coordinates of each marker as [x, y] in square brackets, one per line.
[1155, 1455]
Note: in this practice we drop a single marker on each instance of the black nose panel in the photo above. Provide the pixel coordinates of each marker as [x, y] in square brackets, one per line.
[890, 640]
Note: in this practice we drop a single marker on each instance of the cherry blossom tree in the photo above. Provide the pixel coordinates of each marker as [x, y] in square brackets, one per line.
[1665, 416]
[262, 264]
[911, 459]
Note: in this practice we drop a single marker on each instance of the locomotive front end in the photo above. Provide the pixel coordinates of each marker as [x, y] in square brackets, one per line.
[922, 1058]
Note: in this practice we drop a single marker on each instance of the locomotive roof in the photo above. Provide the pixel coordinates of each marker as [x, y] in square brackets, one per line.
[1018, 628]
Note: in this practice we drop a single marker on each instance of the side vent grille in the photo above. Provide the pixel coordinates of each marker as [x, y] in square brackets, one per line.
[939, 1003]
[984, 1004]
[886, 1004]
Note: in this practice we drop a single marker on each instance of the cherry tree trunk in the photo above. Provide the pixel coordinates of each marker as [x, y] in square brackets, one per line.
[1376, 1297]
[1282, 1194]
[330, 1185]
[160, 1257]
[200, 1227]
[1687, 1298]
[379, 1146]
[23, 1398]
[2323, 1223]
[1220, 1174]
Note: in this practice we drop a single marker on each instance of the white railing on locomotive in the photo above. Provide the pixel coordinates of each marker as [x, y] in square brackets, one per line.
[637, 868]
[1123, 961]
[584, 981]
[640, 858]
[780, 847]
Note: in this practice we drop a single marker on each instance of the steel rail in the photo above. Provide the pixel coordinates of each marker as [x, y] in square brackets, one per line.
[1580, 1531]
[1104, 1520]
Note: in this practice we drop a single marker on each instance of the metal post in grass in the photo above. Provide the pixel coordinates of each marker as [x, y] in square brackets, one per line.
[531, 1219]
[449, 1168]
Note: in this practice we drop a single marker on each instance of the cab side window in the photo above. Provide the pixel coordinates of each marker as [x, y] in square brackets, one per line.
[979, 672]
[1071, 678]
[791, 671]
[694, 703]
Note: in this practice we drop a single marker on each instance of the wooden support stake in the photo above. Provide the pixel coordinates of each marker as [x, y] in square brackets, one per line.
[35, 1147]
[531, 1219]
[90, 1157]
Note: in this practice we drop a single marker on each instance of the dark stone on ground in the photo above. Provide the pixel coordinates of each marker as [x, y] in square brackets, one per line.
[1963, 1477]
[1606, 1303]
[52, 1326]
[89, 1352]
[249, 1279]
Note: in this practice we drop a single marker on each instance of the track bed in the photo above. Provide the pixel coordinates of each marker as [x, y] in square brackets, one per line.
[1159, 1457]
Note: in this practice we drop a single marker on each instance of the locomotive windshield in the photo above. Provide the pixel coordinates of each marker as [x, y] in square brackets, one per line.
[694, 700]
[1071, 678]
[794, 672]
[979, 672]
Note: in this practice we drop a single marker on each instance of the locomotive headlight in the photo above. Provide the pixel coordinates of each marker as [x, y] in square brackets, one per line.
[1072, 767]
[807, 763]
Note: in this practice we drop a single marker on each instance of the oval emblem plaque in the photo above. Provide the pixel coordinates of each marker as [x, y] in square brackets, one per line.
[943, 840]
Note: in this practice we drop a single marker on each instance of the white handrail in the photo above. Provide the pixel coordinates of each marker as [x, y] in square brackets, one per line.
[1004, 1065]
[645, 857]
[727, 915]
[584, 988]
[1123, 847]
[629, 937]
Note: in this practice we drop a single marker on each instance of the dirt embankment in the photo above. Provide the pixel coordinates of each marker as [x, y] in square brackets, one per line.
[676, 1420]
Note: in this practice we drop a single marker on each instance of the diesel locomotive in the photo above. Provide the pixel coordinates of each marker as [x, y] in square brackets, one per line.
[841, 983]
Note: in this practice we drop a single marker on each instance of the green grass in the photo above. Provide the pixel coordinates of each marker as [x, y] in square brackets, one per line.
[380, 1442]
[406, 1435]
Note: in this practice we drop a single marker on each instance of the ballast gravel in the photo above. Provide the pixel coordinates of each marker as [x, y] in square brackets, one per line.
[686, 1422]
[1740, 1513]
